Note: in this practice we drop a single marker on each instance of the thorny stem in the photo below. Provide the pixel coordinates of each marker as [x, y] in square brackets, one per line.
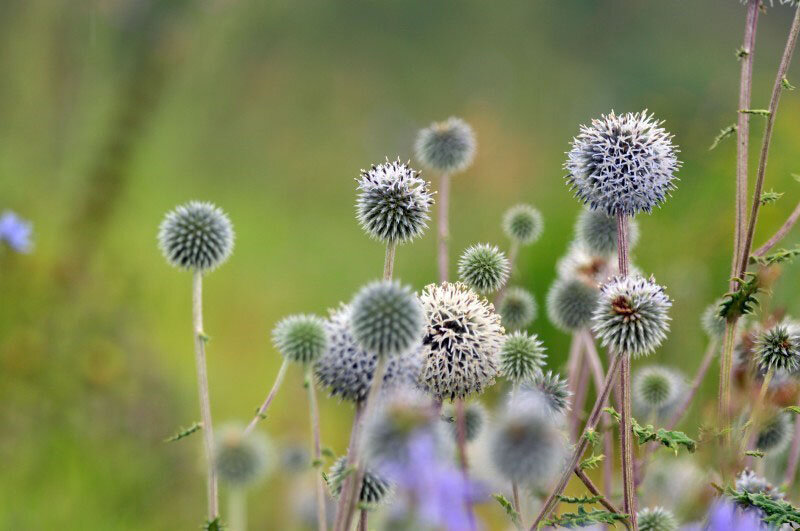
[779, 235]
[726, 368]
[202, 387]
[517, 505]
[362, 520]
[580, 447]
[260, 414]
[444, 230]
[596, 366]
[794, 457]
[592, 488]
[322, 523]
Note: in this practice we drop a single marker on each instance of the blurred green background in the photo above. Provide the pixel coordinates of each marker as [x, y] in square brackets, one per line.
[114, 111]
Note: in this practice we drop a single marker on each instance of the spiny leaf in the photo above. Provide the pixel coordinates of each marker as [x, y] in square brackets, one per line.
[781, 255]
[185, 432]
[754, 453]
[583, 518]
[214, 525]
[592, 436]
[592, 462]
[741, 301]
[723, 134]
[508, 506]
[327, 452]
[786, 85]
[580, 499]
[776, 513]
[672, 439]
[793, 409]
[770, 197]
[759, 112]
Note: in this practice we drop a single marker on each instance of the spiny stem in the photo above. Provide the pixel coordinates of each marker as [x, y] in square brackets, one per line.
[322, 523]
[444, 227]
[202, 387]
[517, 506]
[726, 368]
[596, 366]
[592, 488]
[362, 520]
[260, 414]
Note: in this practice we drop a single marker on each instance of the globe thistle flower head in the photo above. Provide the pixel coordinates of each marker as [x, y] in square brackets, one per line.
[597, 232]
[523, 224]
[241, 459]
[631, 315]
[522, 357]
[196, 236]
[300, 338]
[386, 318]
[656, 387]
[517, 309]
[713, 323]
[656, 519]
[393, 203]
[622, 164]
[526, 446]
[462, 341]
[779, 347]
[775, 433]
[484, 268]
[749, 481]
[553, 390]
[346, 369]
[374, 487]
[447, 147]
[571, 303]
[474, 420]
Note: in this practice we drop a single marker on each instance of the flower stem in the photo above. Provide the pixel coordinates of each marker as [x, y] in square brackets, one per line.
[517, 506]
[444, 227]
[322, 524]
[596, 366]
[778, 236]
[388, 261]
[362, 520]
[726, 368]
[202, 387]
[574, 367]
[592, 488]
[260, 414]
[755, 415]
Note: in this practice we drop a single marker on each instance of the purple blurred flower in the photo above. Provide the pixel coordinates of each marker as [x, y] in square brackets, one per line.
[15, 231]
[725, 516]
[438, 488]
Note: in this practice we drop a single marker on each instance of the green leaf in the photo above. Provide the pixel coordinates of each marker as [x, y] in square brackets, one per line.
[508, 506]
[583, 518]
[793, 409]
[776, 513]
[592, 436]
[770, 197]
[781, 255]
[316, 463]
[759, 112]
[591, 462]
[585, 499]
[786, 85]
[672, 439]
[723, 134]
[327, 452]
[214, 525]
[741, 52]
[754, 453]
[741, 301]
[185, 432]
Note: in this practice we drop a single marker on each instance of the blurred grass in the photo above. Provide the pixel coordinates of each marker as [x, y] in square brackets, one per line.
[269, 110]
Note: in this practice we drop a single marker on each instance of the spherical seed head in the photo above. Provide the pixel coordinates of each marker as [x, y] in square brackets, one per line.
[386, 318]
[447, 147]
[346, 369]
[522, 357]
[571, 303]
[484, 268]
[749, 481]
[632, 315]
[526, 447]
[622, 164]
[374, 487]
[393, 202]
[597, 232]
[462, 341]
[775, 433]
[517, 309]
[523, 224]
[779, 347]
[655, 387]
[240, 459]
[196, 236]
[553, 389]
[656, 519]
[474, 420]
[300, 338]
[713, 323]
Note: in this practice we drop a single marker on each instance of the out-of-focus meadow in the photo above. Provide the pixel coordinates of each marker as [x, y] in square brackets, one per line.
[114, 111]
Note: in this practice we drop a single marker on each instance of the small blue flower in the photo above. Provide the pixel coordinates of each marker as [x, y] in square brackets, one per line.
[16, 232]
[724, 516]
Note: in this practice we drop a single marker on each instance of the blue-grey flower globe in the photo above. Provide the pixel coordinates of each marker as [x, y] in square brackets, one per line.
[552, 389]
[597, 232]
[712, 322]
[622, 164]
[775, 432]
[778, 347]
[571, 302]
[474, 420]
[656, 519]
[241, 459]
[447, 147]
[523, 224]
[657, 391]
[386, 318]
[374, 487]
[197, 236]
[393, 203]
[484, 268]
[522, 357]
[517, 308]
[300, 338]
[631, 316]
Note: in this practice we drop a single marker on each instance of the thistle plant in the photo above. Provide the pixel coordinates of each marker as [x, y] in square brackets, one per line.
[483, 268]
[552, 390]
[778, 348]
[774, 433]
[656, 391]
[656, 519]
[571, 303]
[198, 237]
[522, 357]
[517, 309]
[374, 487]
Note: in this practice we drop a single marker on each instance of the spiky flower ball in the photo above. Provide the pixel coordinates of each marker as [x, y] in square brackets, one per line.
[779, 347]
[374, 487]
[775, 433]
[571, 303]
[749, 481]
[346, 369]
[462, 341]
[597, 231]
[474, 420]
[523, 224]
[552, 389]
[631, 315]
[393, 202]
[197, 236]
[656, 387]
[622, 164]
[656, 519]
[300, 338]
[713, 323]
[447, 147]
[526, 447]
[484, 268]
[240, 459]
[386, 318]
[522, 357]
[517, 309]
